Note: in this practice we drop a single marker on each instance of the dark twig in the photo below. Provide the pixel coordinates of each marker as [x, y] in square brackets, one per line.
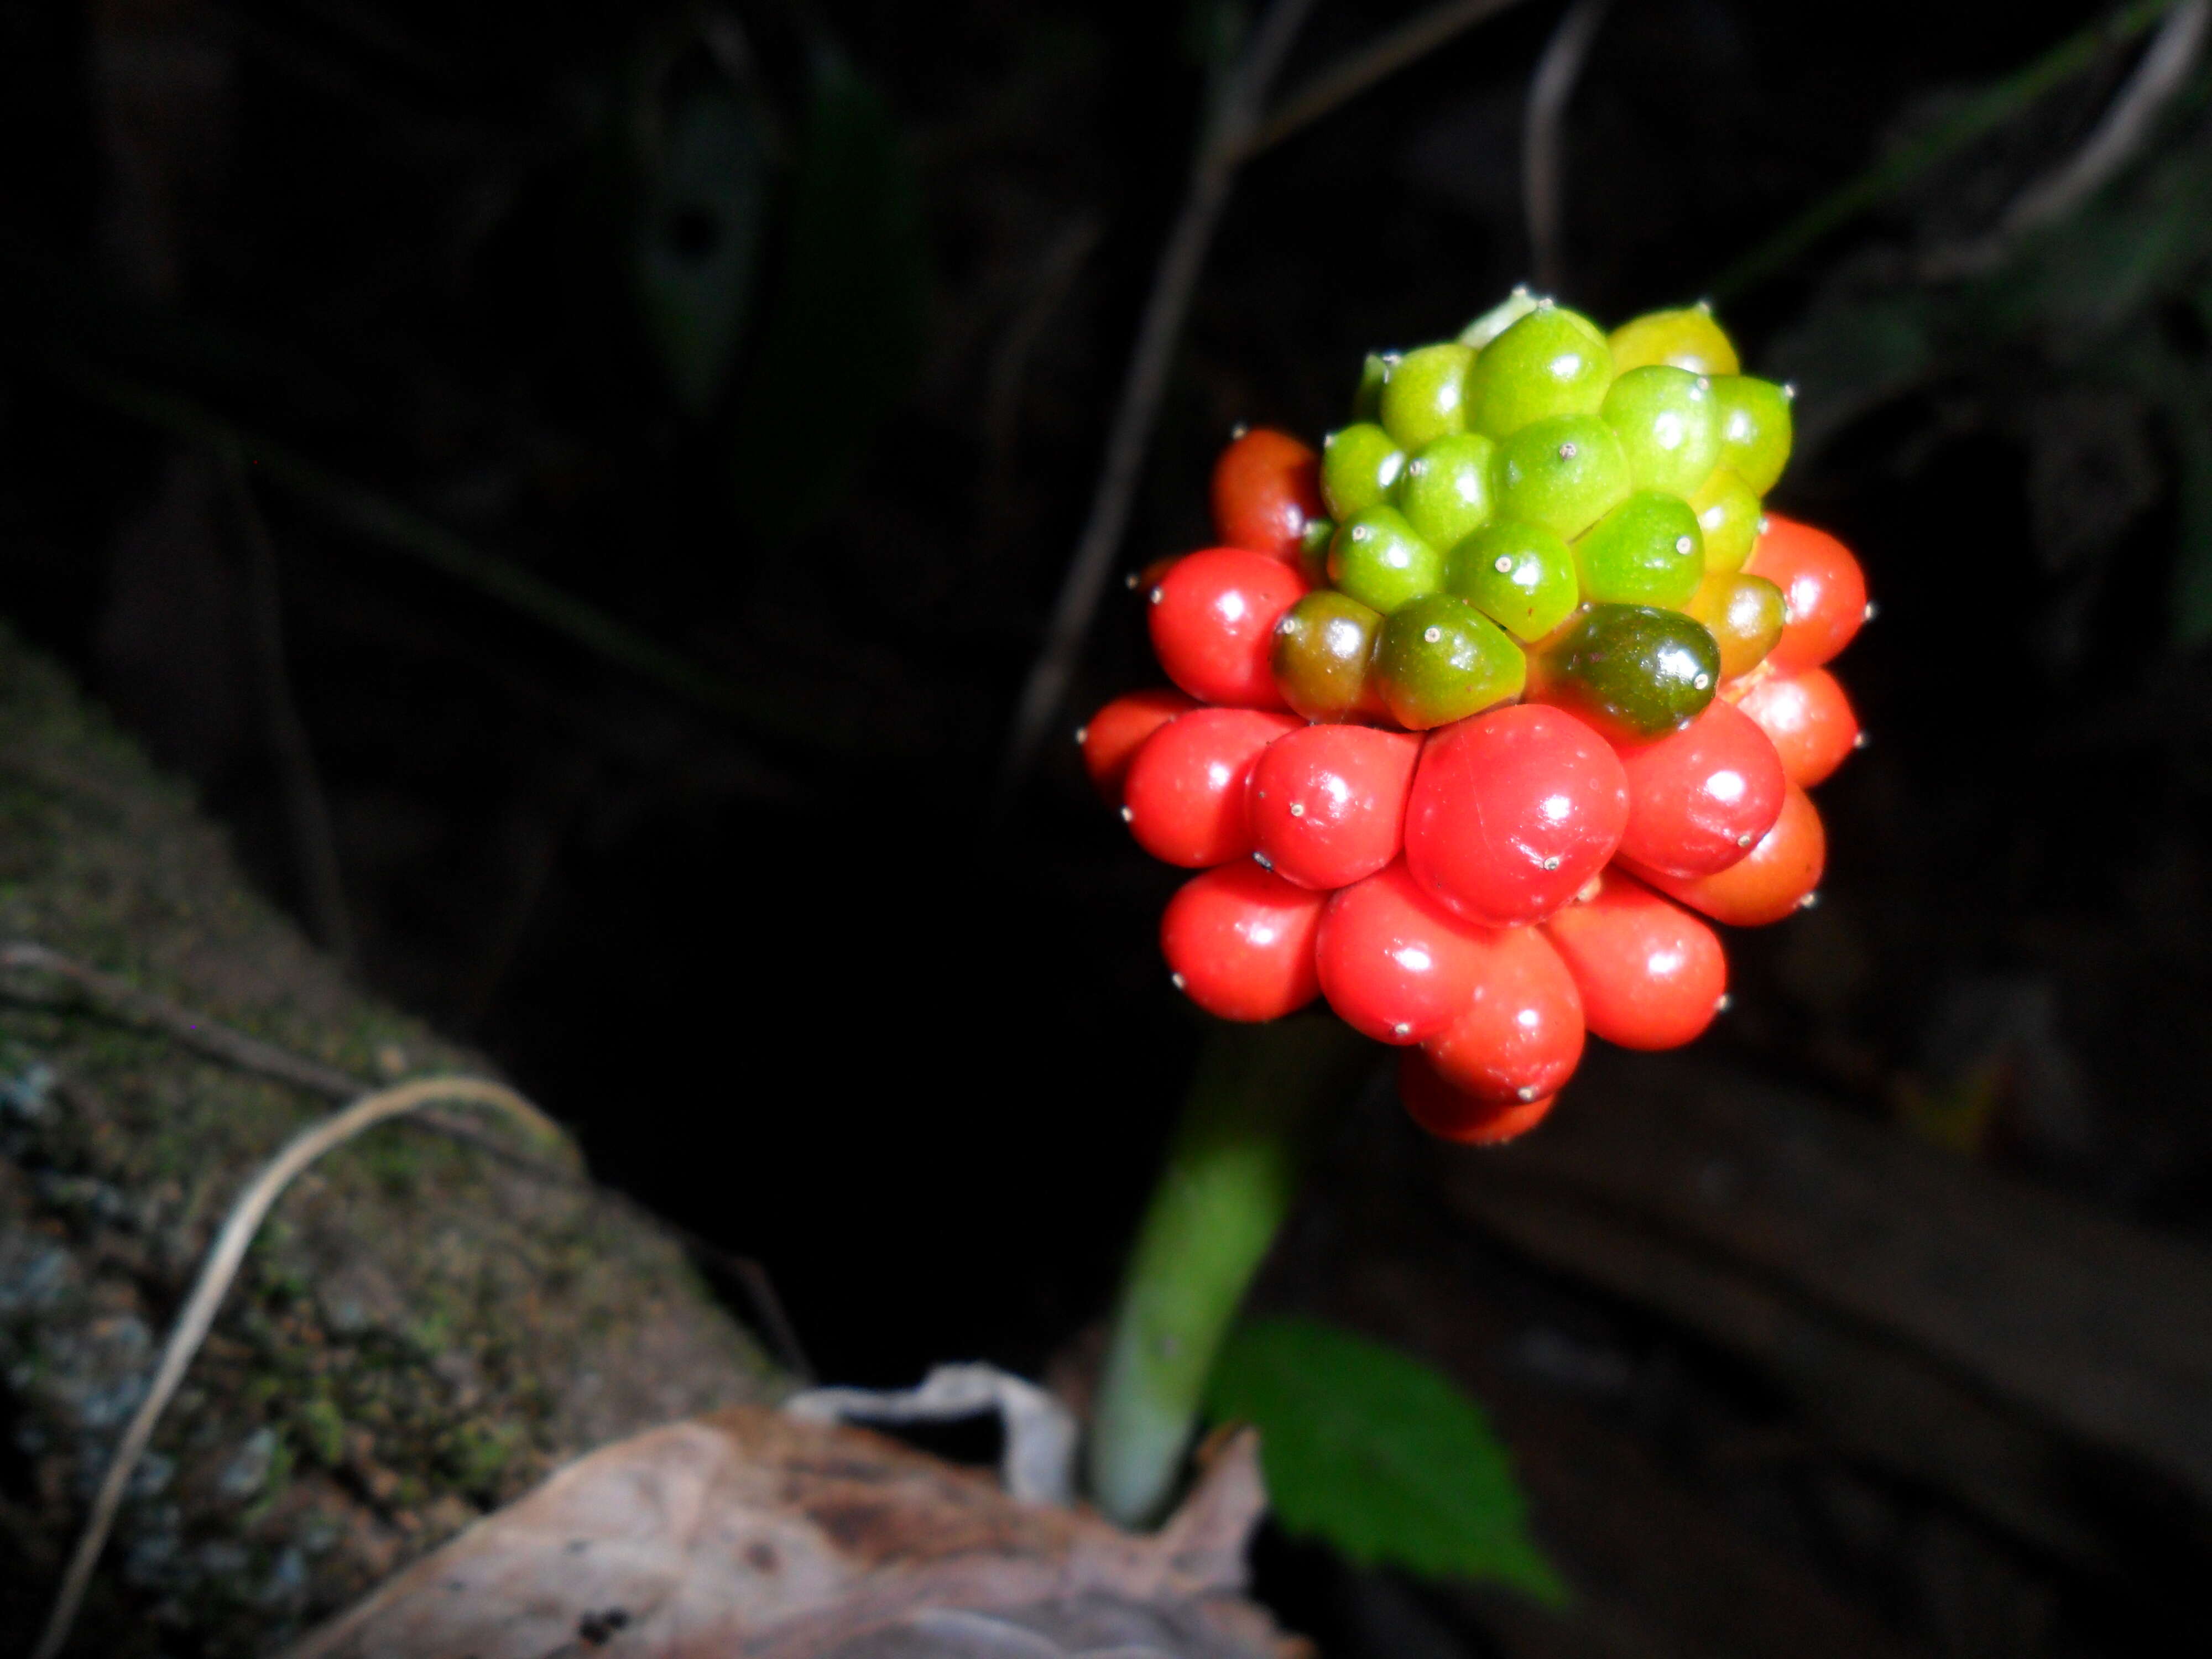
[384, 522]
[1543, 155]
[1982, 115]
[1395, 49]
[215, 1041]
[305, 804]
[206, 1038]
[1236, 116]
[2127, 121]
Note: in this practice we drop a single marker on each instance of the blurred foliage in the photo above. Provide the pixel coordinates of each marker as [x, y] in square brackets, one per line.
[1378, 1454]
[2087, 340]
[845, 327]
[700, 225]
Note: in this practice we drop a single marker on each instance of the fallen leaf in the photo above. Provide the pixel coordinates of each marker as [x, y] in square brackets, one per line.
[750, 1533]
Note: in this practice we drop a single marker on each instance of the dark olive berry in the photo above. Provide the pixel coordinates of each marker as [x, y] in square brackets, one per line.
[1632, 671]
[1323, 647]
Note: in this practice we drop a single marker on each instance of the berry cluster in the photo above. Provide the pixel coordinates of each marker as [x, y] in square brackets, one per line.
[1488, 708]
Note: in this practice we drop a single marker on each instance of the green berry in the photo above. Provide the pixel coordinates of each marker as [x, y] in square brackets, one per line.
[1358, 466]
[1648, 550]
[1728, 516]
[1521, 576]
[1377, 559]
[1313, 548]
[1425, 398]
[1688, 338]
[1669, 424]
[1566, 473]
[1552, 362]
[1445, 492]
[1499, 317]
[1321, 653]
[1440, 659]
[1744, 616]
[1367, 400]
[1633, 671]
[1755, 429]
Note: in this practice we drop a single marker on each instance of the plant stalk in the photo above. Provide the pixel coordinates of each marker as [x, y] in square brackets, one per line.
[1256, 1107]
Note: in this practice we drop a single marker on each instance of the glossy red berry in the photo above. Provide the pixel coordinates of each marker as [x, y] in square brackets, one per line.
[1240, 942]
[1266, 488]
[1650, 974]
[1327, 803]
[1806, 716]
[1520, 1034]
[1446, 1113]
[1822, 584]
[1212, 620]
[1512, 811]
[1184, 799]
[1700, 798]
[1776, 877]
[1111, 738]
[1394, 964]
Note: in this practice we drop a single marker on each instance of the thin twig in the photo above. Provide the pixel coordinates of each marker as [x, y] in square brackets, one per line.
[2069, 58]
[1394, 50]
[2127, 122]
[307, 807]
[234, 1048]
[1543, 153]
[223, 1260]
[1213, 172]
[379, 520]
[206, 1036]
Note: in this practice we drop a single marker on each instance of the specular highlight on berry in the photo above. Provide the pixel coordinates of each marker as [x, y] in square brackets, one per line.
[1492, 702]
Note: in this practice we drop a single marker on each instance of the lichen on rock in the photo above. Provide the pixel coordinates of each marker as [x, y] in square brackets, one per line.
[421, 1330]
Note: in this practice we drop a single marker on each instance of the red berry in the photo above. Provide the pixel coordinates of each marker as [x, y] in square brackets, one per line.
[1512, 811]
[1650, 974]
[1184, 796]
[1820, 582]
[1520, 1036]
[1776, 877]
[1807, 718]
[1112, 737]
[1267, 488]
[1214, 623]
[1446, 1113]
[1327, 803]
[1394, 964]
[1240, 942]
[1700, 798]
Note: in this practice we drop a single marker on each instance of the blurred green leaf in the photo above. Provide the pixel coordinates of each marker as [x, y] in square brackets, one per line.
[845, 324]
[698, 239]
[1379, 1455]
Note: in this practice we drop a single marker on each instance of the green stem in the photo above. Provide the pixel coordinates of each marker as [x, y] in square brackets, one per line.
[1261, 1095]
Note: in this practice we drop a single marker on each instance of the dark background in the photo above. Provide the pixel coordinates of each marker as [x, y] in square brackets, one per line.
[768, 946]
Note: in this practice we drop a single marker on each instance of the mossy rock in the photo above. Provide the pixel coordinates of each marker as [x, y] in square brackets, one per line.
[421, 1330]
